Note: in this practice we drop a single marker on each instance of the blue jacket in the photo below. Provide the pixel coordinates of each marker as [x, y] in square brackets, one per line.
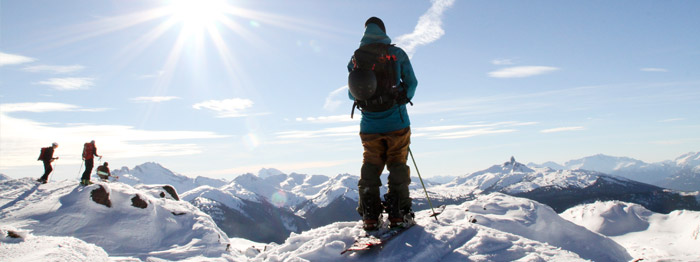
[395, 118]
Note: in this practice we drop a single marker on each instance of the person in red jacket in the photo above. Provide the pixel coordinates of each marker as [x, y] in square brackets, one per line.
[47, 157]
[89, 154]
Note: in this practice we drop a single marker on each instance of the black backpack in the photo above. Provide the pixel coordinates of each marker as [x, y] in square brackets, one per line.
[376, 57]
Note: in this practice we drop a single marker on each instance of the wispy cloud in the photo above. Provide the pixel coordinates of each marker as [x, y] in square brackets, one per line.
[42, 107]
[326, 132]
[327, 119]
[502, 62]
[671, 120]
[467, 131]
[654, 69]
[234, 107]
[562, 129]
[287, 167]
[428, 30]
[69, 83]
[154, 75]
[53, 69]
[522, 71]
[335, 98]
[10, 59]
[153, 99]
[22, 137]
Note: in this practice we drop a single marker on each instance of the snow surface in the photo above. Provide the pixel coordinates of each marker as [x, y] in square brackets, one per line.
[165, 229]
[46, 248]
[503, 232]
[646, 235]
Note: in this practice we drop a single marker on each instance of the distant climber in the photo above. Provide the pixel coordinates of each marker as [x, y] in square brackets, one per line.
[103, 171]
[47, 157]
[89, 154]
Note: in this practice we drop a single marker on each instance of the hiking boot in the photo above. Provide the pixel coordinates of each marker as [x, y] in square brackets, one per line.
[40, 180]
[372, 224]
[85, 182]
[402, 221]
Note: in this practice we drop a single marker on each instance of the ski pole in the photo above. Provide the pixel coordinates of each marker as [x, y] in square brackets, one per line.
[421, 182]
[81, 167]
[53, 169]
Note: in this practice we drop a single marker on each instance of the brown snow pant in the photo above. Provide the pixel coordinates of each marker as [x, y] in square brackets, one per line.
[390, 149]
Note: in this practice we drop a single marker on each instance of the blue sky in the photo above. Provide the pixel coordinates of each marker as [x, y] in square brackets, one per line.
[230, 87]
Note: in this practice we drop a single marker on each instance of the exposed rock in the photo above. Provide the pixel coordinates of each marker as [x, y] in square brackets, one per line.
[101, 196]
[136, 201]
[171, 191]
[13, 234]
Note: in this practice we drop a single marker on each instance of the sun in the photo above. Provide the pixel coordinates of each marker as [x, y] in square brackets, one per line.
[197, 15]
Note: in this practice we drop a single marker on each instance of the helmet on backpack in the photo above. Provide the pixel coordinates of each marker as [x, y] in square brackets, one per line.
[362, 83]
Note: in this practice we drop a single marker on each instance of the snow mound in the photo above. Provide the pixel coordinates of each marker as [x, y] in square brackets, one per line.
[610, 218]
[23, 246]
[493, 227]
[136, 224]
[654, 237]
[539, 222]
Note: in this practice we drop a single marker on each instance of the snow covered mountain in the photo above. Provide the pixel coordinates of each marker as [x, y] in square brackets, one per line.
[648, 235]
[245, 215]
[683, 173]
[154, 173]
[562, 189]
[4, 177]
[119, 219]
[276, 204]
[62, 221]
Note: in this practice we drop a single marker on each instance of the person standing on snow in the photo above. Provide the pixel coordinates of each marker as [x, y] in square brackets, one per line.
[47, 157]
[89, 154]
[385, 128]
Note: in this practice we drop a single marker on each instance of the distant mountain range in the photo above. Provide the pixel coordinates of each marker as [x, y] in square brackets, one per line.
[683, 173]
[267, 207]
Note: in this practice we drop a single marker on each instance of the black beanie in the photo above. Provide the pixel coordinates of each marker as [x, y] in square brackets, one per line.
[376, 21]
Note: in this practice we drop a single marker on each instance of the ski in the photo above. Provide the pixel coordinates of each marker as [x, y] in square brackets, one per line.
[375, 239]
[381, 236]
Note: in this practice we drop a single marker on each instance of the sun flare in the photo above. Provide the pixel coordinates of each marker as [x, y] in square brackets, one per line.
[197, 14]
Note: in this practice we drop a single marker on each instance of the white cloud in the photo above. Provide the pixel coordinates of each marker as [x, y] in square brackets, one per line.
[467, 131]
[328, 119]
[562, 129]
[521, 71]
[353, 130]
[69, 83]
[53, 69]
[41, 107]
[286, 167]
[471, 133]
[335, 98]
[10, 59]
[233, 107]
[22, 138]
[156, 74]
[502, 62]
[671, 120]
[654, 69]
[154, 99]
[428, 30]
